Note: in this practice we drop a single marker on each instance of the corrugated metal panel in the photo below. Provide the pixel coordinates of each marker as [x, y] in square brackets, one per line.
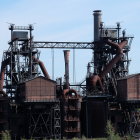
[133, 88]
[20, 35]
[38, 89]
[129, 89]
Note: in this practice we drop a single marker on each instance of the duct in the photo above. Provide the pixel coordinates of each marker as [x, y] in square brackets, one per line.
[118, 56]
[119, 47]
[66, 58]
[69, 92]
[94, 79]
[97, 21]
[42, 67]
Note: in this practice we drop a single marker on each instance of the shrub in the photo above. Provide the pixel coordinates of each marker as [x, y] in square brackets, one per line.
[6, 135]
[112, 135]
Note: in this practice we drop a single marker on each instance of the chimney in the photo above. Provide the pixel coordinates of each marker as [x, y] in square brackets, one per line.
[66, 57]
[97, 21]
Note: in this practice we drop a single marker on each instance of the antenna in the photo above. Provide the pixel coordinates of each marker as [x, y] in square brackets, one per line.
[12, 24]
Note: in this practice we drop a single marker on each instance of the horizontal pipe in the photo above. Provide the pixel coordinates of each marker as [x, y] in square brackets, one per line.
[42, 67]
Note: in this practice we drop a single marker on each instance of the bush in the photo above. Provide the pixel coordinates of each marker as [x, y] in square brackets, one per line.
[112, 135]
[6, 135]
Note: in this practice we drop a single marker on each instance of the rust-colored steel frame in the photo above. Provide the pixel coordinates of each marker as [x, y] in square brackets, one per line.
[130, 117]
[21, 65]
[45, 123]
[104, 61]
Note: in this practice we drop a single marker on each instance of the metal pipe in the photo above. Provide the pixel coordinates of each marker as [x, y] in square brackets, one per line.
[42, 67]
[66, 58]
[118, 56]
[119, 47]
[69, 92]
[96, 78]
[97, 21]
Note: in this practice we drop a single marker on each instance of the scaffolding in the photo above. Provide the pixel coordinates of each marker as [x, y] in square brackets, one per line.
[20, 65]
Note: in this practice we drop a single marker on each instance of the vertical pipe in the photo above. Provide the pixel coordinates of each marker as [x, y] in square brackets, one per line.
[42, 67]
[2, 78]
[30, 52]
[97, 21]
[74, 78]
[118, 30]
[66, 57]
[87, 117]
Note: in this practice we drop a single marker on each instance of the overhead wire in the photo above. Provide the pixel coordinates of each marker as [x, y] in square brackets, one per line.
[52, 54]
[74, 73]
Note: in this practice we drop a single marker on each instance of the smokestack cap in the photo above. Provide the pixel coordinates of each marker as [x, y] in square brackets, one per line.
[97, 12]
[66, 55]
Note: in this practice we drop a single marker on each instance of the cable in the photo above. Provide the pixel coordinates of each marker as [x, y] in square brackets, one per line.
[74, 75]
[52, 53]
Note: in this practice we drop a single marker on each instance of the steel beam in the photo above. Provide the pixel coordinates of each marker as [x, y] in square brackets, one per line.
[64, 45]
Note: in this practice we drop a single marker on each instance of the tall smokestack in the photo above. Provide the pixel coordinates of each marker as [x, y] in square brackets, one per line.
[66, 57]
[97, 21]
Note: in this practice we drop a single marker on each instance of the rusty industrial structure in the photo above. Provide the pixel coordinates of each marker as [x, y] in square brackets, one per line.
[35, 106]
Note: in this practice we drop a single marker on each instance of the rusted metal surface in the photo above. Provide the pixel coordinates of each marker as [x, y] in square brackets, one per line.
[66, 58]
[108, 67]
[72, 107]
[32, 97]
[36, 120]
[42, 67]
[118, 56]
[129, 88]
[69, 92]
[38, 89]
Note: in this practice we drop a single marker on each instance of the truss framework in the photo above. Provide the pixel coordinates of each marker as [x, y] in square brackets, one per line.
[63, 45]
[45, 123]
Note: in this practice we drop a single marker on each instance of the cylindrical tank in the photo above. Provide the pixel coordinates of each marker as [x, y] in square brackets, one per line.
[97, 21]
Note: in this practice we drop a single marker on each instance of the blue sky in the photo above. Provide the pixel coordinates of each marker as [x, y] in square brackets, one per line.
[70, 20]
